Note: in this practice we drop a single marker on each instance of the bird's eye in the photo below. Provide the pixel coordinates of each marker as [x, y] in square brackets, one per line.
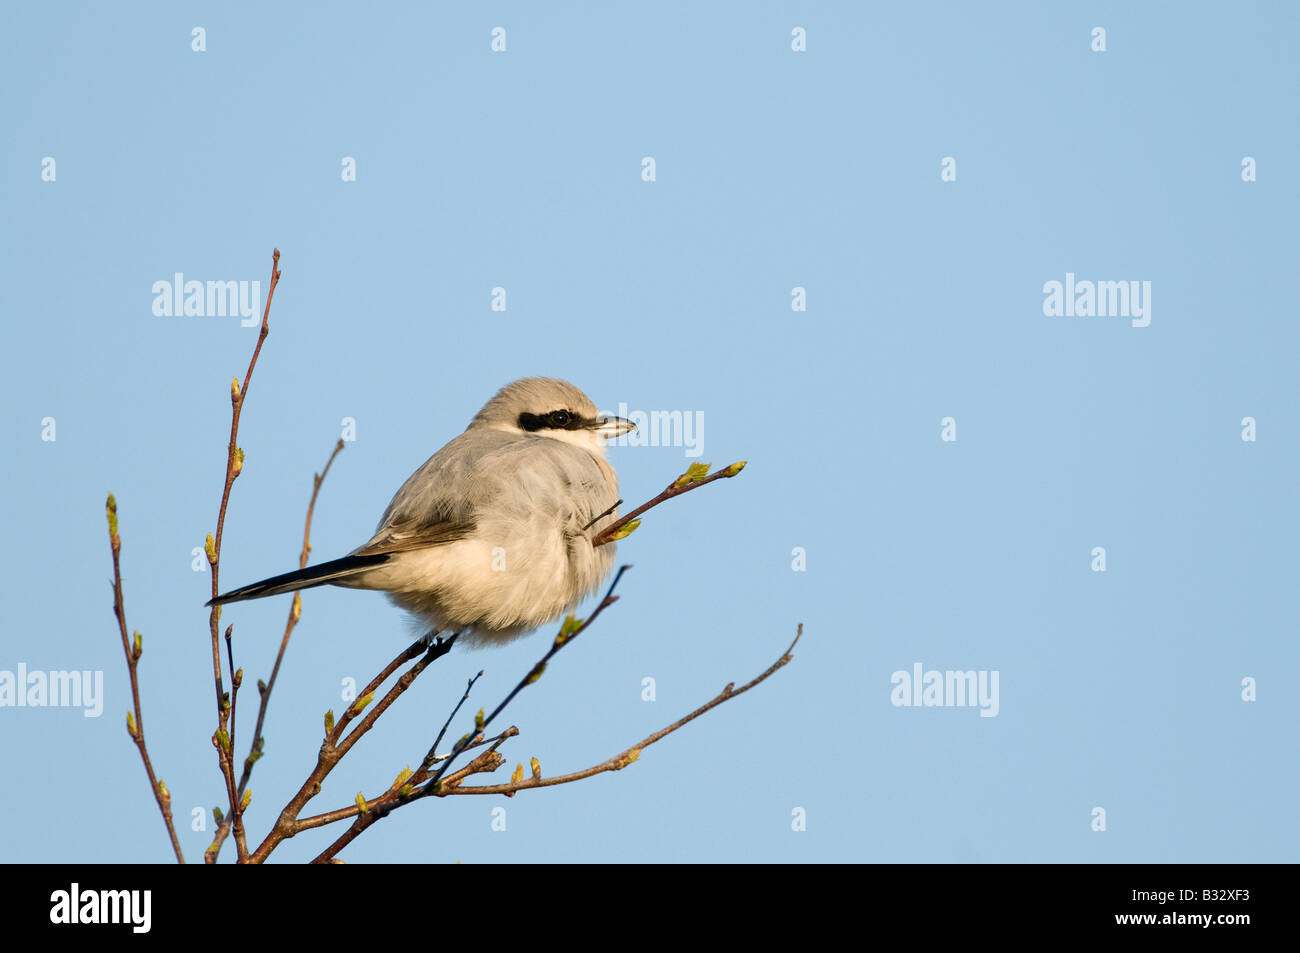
[560, 418]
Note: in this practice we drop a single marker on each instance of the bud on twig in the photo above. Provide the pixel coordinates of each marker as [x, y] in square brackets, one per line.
[570, 626]
[625, 531]
[112, 519]
[694, 473]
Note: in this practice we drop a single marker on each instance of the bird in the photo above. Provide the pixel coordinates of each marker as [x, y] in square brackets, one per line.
[492, 537]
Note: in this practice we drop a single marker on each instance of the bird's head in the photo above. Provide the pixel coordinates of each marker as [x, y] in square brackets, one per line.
[550, 407]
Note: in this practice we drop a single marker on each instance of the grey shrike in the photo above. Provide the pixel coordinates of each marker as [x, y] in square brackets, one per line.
[491, 538]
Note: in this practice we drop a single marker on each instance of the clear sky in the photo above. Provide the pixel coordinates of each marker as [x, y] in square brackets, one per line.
[1154, 696]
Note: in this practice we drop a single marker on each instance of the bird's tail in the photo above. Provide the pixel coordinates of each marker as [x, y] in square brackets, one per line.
[335, 570]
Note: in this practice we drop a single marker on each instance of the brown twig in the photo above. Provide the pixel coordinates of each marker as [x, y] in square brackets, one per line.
[422, 782]
[342, 814]
[219, 838]
[255, 748]
[596, 519]
[225, 756]
[432, 756]
[683, 484]
[135, 722]
[334, 747]
[235, 680]
[400, 792]
[568, 632]
[295, 612]
[624, 758]
[442, 646]
[234, 463]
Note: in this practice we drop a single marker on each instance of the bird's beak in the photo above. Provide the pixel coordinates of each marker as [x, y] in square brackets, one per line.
[610, 427]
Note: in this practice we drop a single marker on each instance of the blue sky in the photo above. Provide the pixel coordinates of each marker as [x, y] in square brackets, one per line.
[774, 170]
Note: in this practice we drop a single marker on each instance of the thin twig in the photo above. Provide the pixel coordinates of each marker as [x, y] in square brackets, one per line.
[237, 396]
[235, 681]
[332, 749]
[432, 755]
[560, 642]
[683, 484]
[481, 764]
[218, 838]
[256, 746]
[135, 723]
[624, 758]
[295, 612]
[441, 647]
[597, 519]
[234, 463]
[490, 760]
[343, 813]
[387, 803]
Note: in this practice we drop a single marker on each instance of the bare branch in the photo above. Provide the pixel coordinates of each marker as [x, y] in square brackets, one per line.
[624, 758]
[133, 651]
[565, 637]
[255, 748]
[343, 813]
[221, 739]
[295, 612]
[408, 793]
[683, 484]
[432, 756]
[332, 749]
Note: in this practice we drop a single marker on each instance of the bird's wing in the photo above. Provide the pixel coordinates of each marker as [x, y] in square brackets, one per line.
[404, 536]
[439, 502]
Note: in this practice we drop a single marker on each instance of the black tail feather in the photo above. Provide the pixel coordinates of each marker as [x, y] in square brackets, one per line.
[307, 578]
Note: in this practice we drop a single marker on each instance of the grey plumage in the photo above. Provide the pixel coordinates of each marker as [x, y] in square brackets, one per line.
[492, 535]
